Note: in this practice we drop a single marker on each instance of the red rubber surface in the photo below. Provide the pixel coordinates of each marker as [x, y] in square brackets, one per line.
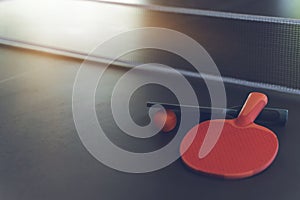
[240, 151]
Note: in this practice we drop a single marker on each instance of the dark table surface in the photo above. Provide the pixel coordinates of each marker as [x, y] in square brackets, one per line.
[42, 157]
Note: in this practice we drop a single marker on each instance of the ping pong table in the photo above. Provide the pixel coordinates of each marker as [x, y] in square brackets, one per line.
[41, 154]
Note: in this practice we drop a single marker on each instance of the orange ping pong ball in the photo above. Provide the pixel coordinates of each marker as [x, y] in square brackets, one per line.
[167, 120]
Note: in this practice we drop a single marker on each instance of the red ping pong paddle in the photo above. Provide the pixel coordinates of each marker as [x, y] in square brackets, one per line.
[242, 149]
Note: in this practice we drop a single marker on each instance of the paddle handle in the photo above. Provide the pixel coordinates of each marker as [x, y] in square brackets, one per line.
[253, 106]
[268, 116]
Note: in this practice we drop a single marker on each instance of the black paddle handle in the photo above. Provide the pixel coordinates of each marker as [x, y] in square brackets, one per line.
[273, 116]
[268, 116]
